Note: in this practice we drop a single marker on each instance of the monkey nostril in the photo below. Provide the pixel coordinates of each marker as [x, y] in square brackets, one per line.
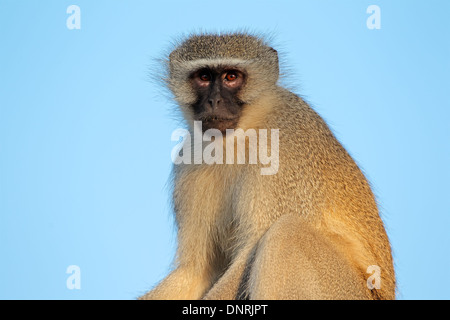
[213, 103]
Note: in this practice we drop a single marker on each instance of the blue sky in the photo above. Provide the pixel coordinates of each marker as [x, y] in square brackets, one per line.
[85, 136]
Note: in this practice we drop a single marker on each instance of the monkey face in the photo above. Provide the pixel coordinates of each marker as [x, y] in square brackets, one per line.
[217, 104]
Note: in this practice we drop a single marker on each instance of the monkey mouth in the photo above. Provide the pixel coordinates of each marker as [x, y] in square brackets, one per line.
[218, 122]
[213, 118]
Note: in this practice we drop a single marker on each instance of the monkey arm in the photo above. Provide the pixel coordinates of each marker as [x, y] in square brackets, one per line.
[195, 258]
[192, 277]
[193, 274]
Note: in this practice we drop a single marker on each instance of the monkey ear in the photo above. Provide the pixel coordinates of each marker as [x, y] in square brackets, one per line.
[171, 56]
[275, 53]
[275, 59]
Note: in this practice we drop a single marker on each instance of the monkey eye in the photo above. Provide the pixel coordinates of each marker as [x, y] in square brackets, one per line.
[204, 76]
[231, 76]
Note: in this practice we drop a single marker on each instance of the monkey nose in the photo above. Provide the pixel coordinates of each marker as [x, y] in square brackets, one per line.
[214, 102]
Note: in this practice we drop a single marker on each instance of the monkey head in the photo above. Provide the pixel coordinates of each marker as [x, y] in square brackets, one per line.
[213, 77]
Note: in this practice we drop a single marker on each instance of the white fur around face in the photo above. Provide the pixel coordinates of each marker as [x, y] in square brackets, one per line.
[258, 79]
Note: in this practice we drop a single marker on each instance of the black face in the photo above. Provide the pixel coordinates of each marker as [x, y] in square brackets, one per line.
[218, 106]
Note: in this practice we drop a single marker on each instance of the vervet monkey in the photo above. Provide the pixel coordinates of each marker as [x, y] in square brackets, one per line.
[309, 231]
